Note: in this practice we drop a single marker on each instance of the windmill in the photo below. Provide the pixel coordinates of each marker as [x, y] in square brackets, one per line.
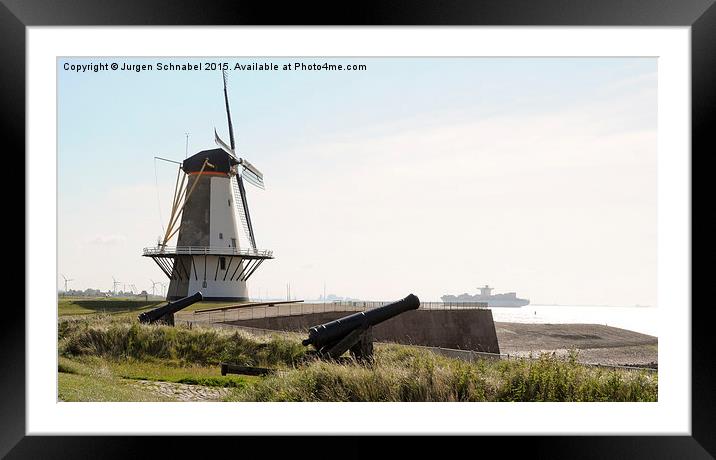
[66, 281]
[216, 251]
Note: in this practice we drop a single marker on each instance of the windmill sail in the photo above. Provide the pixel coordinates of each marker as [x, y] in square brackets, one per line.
[252, 175]
[223, 145]
[242, 210]
[253, 179]
[256, 176]
[228, 113]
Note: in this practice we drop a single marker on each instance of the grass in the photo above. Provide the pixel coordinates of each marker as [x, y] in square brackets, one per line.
[78, 381]
[71, 306]
[154, 370]
[113, 351]
[77, 306]
[410, 374]
[118, 338]
[96, 379]
[77, 388]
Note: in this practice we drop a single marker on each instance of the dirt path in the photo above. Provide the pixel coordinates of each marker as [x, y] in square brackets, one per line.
[184, 392]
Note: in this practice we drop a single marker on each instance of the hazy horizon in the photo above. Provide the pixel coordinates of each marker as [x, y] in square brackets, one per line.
[424, 175]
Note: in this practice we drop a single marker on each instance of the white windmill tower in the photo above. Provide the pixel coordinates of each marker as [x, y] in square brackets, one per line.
[210, 200]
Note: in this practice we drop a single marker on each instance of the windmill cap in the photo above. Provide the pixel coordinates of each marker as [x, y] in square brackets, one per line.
[221, 161]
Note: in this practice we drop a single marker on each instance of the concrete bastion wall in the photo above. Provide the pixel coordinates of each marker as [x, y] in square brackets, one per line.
[460, 329]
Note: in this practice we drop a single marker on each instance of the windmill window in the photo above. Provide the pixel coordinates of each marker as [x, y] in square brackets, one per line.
[233, 242]
[221, 236]
[222, 262]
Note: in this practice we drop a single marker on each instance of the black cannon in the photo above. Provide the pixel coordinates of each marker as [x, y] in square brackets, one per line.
[353, 332]
[165, 314]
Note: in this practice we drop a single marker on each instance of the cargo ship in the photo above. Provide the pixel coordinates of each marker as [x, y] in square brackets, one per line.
[508, 299]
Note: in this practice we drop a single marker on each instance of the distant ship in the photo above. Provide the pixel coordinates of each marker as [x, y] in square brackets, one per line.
[508, 299]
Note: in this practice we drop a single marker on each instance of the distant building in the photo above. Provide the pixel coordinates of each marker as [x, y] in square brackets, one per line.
[508, 299]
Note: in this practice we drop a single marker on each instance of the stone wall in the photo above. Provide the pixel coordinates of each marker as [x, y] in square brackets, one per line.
[460, 329]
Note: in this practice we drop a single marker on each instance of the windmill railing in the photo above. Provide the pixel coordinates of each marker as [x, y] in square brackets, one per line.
[168, 251]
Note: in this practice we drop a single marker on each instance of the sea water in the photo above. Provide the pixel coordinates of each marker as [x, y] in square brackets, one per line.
[639, 319]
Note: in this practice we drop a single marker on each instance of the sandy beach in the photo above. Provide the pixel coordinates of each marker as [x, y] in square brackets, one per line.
[596, 344]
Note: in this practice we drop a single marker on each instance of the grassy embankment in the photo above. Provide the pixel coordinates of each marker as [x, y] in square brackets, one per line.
[102, 357]
[72, 306]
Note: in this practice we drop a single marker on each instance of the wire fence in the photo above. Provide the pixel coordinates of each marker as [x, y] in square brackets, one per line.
[240, 313]
[368, 305]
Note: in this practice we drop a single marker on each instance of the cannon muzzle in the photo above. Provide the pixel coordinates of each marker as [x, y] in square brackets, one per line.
[152, 316]
[332, 332]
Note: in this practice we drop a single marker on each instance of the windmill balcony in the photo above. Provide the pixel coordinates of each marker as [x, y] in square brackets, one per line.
[171, 251]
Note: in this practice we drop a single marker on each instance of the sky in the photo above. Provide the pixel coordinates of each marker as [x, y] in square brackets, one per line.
[425, 175]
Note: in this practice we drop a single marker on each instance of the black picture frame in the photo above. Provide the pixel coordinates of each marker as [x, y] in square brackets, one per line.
[700, 15]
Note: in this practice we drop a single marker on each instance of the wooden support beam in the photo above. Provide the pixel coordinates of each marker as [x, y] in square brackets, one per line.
[235, 270]
[193, 265]
[259, 262]
[218, 259]
[246, 267]
[156, 260]
[227, 368]
[337, 349]
[184, 267]
[231, 259]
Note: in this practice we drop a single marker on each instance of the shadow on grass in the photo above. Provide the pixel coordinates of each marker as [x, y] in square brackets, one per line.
[105, 306]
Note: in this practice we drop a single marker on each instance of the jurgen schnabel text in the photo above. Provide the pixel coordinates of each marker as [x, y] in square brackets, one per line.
[263, 66]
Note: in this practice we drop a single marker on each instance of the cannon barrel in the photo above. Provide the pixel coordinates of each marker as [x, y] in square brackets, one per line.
[335, 330]
[170, 308]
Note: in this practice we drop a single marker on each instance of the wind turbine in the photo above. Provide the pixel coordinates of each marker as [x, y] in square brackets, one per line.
[66, 281]
[115, 283]
[154, 283]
